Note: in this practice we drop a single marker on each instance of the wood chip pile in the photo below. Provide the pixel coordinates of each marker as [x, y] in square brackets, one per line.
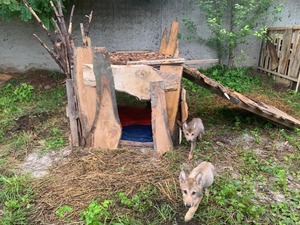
[121, 58]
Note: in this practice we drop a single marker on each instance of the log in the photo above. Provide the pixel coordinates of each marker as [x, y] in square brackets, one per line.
[161, 135]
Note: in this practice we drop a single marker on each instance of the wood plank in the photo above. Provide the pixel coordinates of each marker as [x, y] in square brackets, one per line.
[108, 129]
[158, 62]
[293, 53]
[295, 64]
[86, 95]
[173, 97]
[134, 79]
[173, 39]
[278, 74]
[283, 28]
[163, 42]
[273, 55]
[184, 106]
[266, 111]
[285, 51]
[201, 61]
[72, 114]
[161, 135]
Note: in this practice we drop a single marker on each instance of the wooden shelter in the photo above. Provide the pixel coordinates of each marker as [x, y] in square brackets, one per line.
[96, 79]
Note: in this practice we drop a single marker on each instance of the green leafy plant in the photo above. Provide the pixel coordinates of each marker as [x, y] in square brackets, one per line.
[14, 8]
[139, 202]
[230, 22]
[96, 212]
[23, 93]
[63, 210]
[238, 79]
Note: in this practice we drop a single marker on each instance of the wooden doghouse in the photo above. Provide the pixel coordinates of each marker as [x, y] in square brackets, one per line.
[155, 77]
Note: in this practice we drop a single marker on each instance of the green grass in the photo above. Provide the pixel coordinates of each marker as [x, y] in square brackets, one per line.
[15, 198]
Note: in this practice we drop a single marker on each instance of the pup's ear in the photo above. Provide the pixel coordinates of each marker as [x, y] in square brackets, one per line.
[182, 177]
[198, 178]
[194, 126]
[184, 125]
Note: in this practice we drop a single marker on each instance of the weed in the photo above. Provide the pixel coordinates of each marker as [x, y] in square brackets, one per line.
[23, 93]
[63, 211]
[139, 202]
[238, 79]
[95, 212]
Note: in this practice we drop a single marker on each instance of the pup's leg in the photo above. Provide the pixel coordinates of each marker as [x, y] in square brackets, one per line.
[193, 146]
[191, 212]
[200, 136]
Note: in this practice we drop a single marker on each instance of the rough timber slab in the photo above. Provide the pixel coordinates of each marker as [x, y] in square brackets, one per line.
[161, 135]
[259, 108]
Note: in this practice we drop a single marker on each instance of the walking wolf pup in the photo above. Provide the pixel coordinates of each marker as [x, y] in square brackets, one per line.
[200, 178]
[193, 130]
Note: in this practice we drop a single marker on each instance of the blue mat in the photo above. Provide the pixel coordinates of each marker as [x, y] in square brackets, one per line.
[138, 133]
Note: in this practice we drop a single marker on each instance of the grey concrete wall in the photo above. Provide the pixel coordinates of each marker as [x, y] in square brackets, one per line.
[121, 25]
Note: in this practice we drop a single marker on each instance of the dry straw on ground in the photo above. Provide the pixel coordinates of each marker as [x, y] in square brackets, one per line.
[99, 175]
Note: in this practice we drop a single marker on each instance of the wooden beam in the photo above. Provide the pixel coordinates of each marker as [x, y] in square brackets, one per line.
[158, 61]
[134, 79]
[201, 61]
[277, 74]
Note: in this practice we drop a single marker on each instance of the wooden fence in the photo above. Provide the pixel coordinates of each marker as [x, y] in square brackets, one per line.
[281, 55]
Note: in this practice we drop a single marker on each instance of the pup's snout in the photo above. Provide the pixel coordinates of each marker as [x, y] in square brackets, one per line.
[188, 205]
[190, 141]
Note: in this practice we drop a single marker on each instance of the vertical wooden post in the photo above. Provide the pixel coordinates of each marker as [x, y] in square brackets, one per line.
[71, 113]
[161, 135]
[169, 45]
[106, 123]
[97, 110]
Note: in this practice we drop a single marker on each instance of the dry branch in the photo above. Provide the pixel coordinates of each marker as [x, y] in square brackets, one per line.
[53, 55]
[87, 32]
[71, 21]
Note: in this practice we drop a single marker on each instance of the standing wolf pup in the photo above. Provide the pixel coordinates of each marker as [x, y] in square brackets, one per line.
[193, 130]
[201, 177]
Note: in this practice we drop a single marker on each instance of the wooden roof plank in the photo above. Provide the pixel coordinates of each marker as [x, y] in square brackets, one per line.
[268, 112]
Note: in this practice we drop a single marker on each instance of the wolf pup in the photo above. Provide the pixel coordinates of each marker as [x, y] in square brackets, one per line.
[200, 178]
[193, 130]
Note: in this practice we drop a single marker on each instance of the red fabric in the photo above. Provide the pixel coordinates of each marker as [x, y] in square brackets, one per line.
[132, 115]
